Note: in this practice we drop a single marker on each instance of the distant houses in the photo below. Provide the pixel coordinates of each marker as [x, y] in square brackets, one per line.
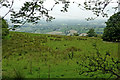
[71, 32]
[83, 34]
[68, 33]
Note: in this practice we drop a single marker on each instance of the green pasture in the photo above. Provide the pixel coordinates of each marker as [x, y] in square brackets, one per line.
[29, 55]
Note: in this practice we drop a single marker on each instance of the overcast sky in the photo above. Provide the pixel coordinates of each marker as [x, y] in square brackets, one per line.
[74, 12]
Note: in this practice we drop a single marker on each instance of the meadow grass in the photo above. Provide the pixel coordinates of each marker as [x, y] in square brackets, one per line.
[29, 55]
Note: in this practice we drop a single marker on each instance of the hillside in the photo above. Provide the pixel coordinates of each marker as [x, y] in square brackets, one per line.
[29, 55]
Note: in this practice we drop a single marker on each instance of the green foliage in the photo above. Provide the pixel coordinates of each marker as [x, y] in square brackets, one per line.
[112, 30]
[91, 33]
[100, 64]
[5, 30]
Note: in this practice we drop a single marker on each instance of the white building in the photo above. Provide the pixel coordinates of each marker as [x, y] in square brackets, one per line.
[83, 34]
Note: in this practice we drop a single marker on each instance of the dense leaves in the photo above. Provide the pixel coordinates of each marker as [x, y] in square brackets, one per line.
[112, 30]
[5, 30]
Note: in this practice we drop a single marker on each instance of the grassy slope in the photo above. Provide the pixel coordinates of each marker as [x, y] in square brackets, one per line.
[38, 55]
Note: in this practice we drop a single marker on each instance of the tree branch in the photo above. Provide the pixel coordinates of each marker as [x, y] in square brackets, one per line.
[9, 10]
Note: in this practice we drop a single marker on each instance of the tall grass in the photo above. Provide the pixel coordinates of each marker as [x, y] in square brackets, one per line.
[18, 74]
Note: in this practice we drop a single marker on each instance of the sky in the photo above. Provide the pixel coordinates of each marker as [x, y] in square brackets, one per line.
[74, 12]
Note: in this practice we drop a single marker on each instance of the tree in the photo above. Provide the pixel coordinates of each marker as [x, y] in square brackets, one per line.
[5, 30]
[112, 30]
[91, 33]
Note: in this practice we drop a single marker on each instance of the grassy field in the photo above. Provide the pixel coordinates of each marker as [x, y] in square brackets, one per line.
[28, 55]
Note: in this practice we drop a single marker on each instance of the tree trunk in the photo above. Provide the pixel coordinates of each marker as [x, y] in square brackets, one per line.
[119, 57]
[118, 5]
